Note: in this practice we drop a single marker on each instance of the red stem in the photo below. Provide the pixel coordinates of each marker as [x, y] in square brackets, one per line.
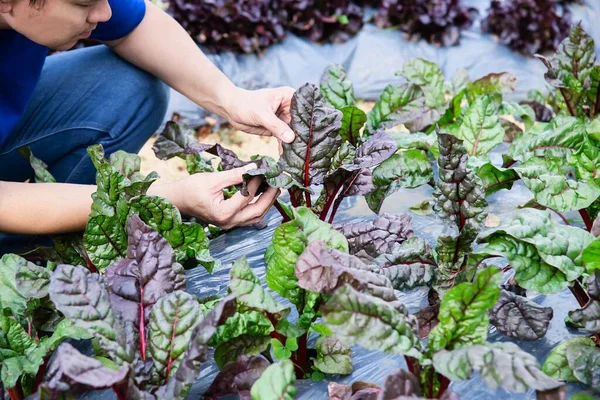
[170, 361]
[279, 208]
[39, 377]
[119, 393]
[330, 200]
[16, 392]
[274, 334]
[580, 294]
[293, 198]
[336, 205]
[444, 383]
[301, 355]
[90, 264]
[586, 219]
[307, 197]
[142, 327]
[569, 107]
[28, 327]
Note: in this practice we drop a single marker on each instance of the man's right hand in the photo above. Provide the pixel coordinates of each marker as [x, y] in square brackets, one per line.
[202, 197]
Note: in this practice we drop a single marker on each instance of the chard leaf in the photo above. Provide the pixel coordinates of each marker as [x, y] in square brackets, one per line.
[14, 293]
[558, 245]
[459, 193]
[408, 265]
[427, 319]
[173, 141]
[179, 384]
[401, 384]
[105, 240]
[316, 125]
[376, 149]
[398, 104]
[589, 316]
[244, 345]
[532, 272]
[40, 168]
[590, 257]
[522, 111]
[418, 140]
[237, 377]
[353, 119]
[496, 178]
[332, 356]
[248, 291]
[289, 241]
[571, 69]
[501, 365]
[557, 366]
[379, 236]
[253, 323]
[83, 298]
[429, 77]
[519, 317]
[358, 318]
[71, 371]
[14, 340]
[336, 87]
[463, 313]
[495, 83]
[187, 239]
[276, 383]
[172, 321]
[480, 128]
[64, 330]
[148, 273]
[323, 270]
[14, 368]
[405, 169]
[546, 179]
[584, 361]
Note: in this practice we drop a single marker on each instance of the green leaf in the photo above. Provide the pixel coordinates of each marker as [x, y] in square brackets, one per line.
[11, 298]
[500, 365]
[590, 257]
[248, 290]
[558, 245]
[279, 350]
[64, 330]
[464, 310]
[276, 383]
[332, 356]
[429, 77]
[358, 318]
[251, 323]
[522, 111]
[398, 104]
[353, 119]
[532, 272]
[418, 141]
[289, 241]
[495, 83]
[40, 168]
[557, 366]
[496, 178]
[480, 128]
[105, 240]
[172, 320]
[242, 345]
[32, 281]
[336, 87]
[584, 361]
[15, 340]
[405, 169]
[13, 368]
[546, 179]
[188, 239]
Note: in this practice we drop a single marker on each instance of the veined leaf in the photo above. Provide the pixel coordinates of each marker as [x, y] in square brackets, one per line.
[557, 365]
[276, 383]
[332, 356]
[237, 377]
[463, 313]
[358, 318]
[353, 119]
[584, 361]
[244, 345]
[398, 104]
[496, 178]
[501, 365]
[480, 128]
[336, 87]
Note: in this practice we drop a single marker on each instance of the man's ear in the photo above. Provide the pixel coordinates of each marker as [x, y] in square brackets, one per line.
[6, 6]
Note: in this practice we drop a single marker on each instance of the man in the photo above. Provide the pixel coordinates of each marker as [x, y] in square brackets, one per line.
[113, 95]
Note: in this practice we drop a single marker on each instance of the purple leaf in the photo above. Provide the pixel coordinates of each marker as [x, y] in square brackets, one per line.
[379, 236]
[148, 273]
[519, 317]
[237, 378]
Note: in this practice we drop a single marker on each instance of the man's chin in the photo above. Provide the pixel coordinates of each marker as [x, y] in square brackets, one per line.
[65, 46]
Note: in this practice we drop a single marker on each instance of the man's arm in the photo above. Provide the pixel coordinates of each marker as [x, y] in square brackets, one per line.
[162, 47]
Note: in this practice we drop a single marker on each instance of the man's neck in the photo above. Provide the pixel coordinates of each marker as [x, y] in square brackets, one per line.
[3, 23]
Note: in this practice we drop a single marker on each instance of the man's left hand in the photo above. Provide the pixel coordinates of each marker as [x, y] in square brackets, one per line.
[264, 112]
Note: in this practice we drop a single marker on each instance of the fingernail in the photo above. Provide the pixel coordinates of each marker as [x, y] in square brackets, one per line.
[288, 136]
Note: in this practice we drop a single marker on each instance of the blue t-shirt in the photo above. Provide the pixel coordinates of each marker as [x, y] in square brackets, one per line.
[21, 60]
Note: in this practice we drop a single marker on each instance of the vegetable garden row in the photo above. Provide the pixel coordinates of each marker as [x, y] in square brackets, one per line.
[527, 26]
[122, 284]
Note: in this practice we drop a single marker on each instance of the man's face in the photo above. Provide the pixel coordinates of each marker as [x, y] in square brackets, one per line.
[57, 24]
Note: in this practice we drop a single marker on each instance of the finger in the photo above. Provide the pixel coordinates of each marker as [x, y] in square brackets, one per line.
[257, 209]
[277, 127]
[238, 201]
[234, 176]
[280, 146]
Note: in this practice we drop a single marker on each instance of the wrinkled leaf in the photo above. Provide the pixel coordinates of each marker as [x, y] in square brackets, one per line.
[519, 317]
[480, 128]
[244, 345]
[589, 316]
[336, 87]
[276, 383]
[398, 104]
[557, 366]
[584, 361]
[237, 377]
[332, 356]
